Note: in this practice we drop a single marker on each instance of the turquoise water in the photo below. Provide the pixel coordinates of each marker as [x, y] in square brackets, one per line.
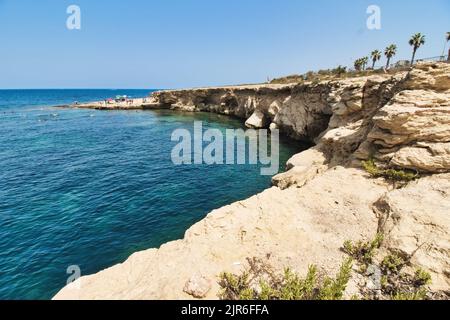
[89, 188]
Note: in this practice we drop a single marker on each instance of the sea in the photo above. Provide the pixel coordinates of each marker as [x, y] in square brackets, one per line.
[85, 189]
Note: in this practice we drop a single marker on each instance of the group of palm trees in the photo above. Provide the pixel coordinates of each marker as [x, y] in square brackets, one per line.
[416, 41]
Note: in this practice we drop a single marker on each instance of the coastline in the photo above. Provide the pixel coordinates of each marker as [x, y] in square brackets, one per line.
[324, 199]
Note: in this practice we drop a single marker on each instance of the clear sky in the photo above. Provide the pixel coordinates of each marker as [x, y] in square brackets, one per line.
[186, 43]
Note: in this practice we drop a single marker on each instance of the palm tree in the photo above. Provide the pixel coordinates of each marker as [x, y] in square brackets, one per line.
[376, 55]
[447, 39]
[364, 62]
[389, 52]
[416, 41]
[358, 64]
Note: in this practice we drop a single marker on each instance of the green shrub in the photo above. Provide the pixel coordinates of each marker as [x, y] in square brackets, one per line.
[340, 70]
[333, 289]
[295, 288]
[287, 286]
[309, 76]
[419, 294]
[411, 288]
[361, 251]
[401, 286]
[422, 277]
[371, 168]
[384, 282]
[392, 263]
[388, 174]
[395, 284]
[399, 175]
[235, 287]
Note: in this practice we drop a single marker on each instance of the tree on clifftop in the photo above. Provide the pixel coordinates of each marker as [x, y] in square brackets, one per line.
[416, 41]
[376, 55]
[389, 53]
[447, 39]
[357, 64]
[364, 62]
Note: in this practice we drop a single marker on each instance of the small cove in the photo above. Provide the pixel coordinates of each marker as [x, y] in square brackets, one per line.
[89, 188]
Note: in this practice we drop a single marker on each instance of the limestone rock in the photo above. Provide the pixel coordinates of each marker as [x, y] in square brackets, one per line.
[413, 129]
[416, 223]
[257, 120]
[434, 76]
[310, 158]
[427, 157]
[274, 108]
[197, 286]
[415, 124]
[301, 168]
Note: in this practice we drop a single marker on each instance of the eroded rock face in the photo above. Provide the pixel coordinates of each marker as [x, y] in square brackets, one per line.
[431, 157]
[402, 120]
[429, 76]
[257, 120]
[301, 168]
[413, 129]
[298, 111]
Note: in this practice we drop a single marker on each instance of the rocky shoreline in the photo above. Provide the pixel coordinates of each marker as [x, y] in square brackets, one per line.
[401, 122]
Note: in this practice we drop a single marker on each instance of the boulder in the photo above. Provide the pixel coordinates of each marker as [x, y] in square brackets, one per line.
[257, 120]
[197, 286]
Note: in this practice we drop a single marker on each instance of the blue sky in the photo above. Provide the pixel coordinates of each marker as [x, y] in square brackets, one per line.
[188, 43]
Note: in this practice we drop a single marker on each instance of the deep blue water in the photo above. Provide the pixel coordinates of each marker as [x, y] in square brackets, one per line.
[89, 188]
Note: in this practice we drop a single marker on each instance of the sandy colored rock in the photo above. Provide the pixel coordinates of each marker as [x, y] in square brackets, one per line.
[198, 286]
[301, 168]
[433, 157]
[433, 76]
[416, 223]
[412, 130]
[257, 120]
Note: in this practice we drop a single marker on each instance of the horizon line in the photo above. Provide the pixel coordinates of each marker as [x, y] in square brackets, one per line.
[76, 88]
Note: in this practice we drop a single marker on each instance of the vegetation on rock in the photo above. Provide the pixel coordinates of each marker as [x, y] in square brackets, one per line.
[393, 175]
[392, 263]
[361, 251]
[260, 282]
[393, 283]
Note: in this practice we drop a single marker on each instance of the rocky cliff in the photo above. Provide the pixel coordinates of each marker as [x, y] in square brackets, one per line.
[324, 198]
